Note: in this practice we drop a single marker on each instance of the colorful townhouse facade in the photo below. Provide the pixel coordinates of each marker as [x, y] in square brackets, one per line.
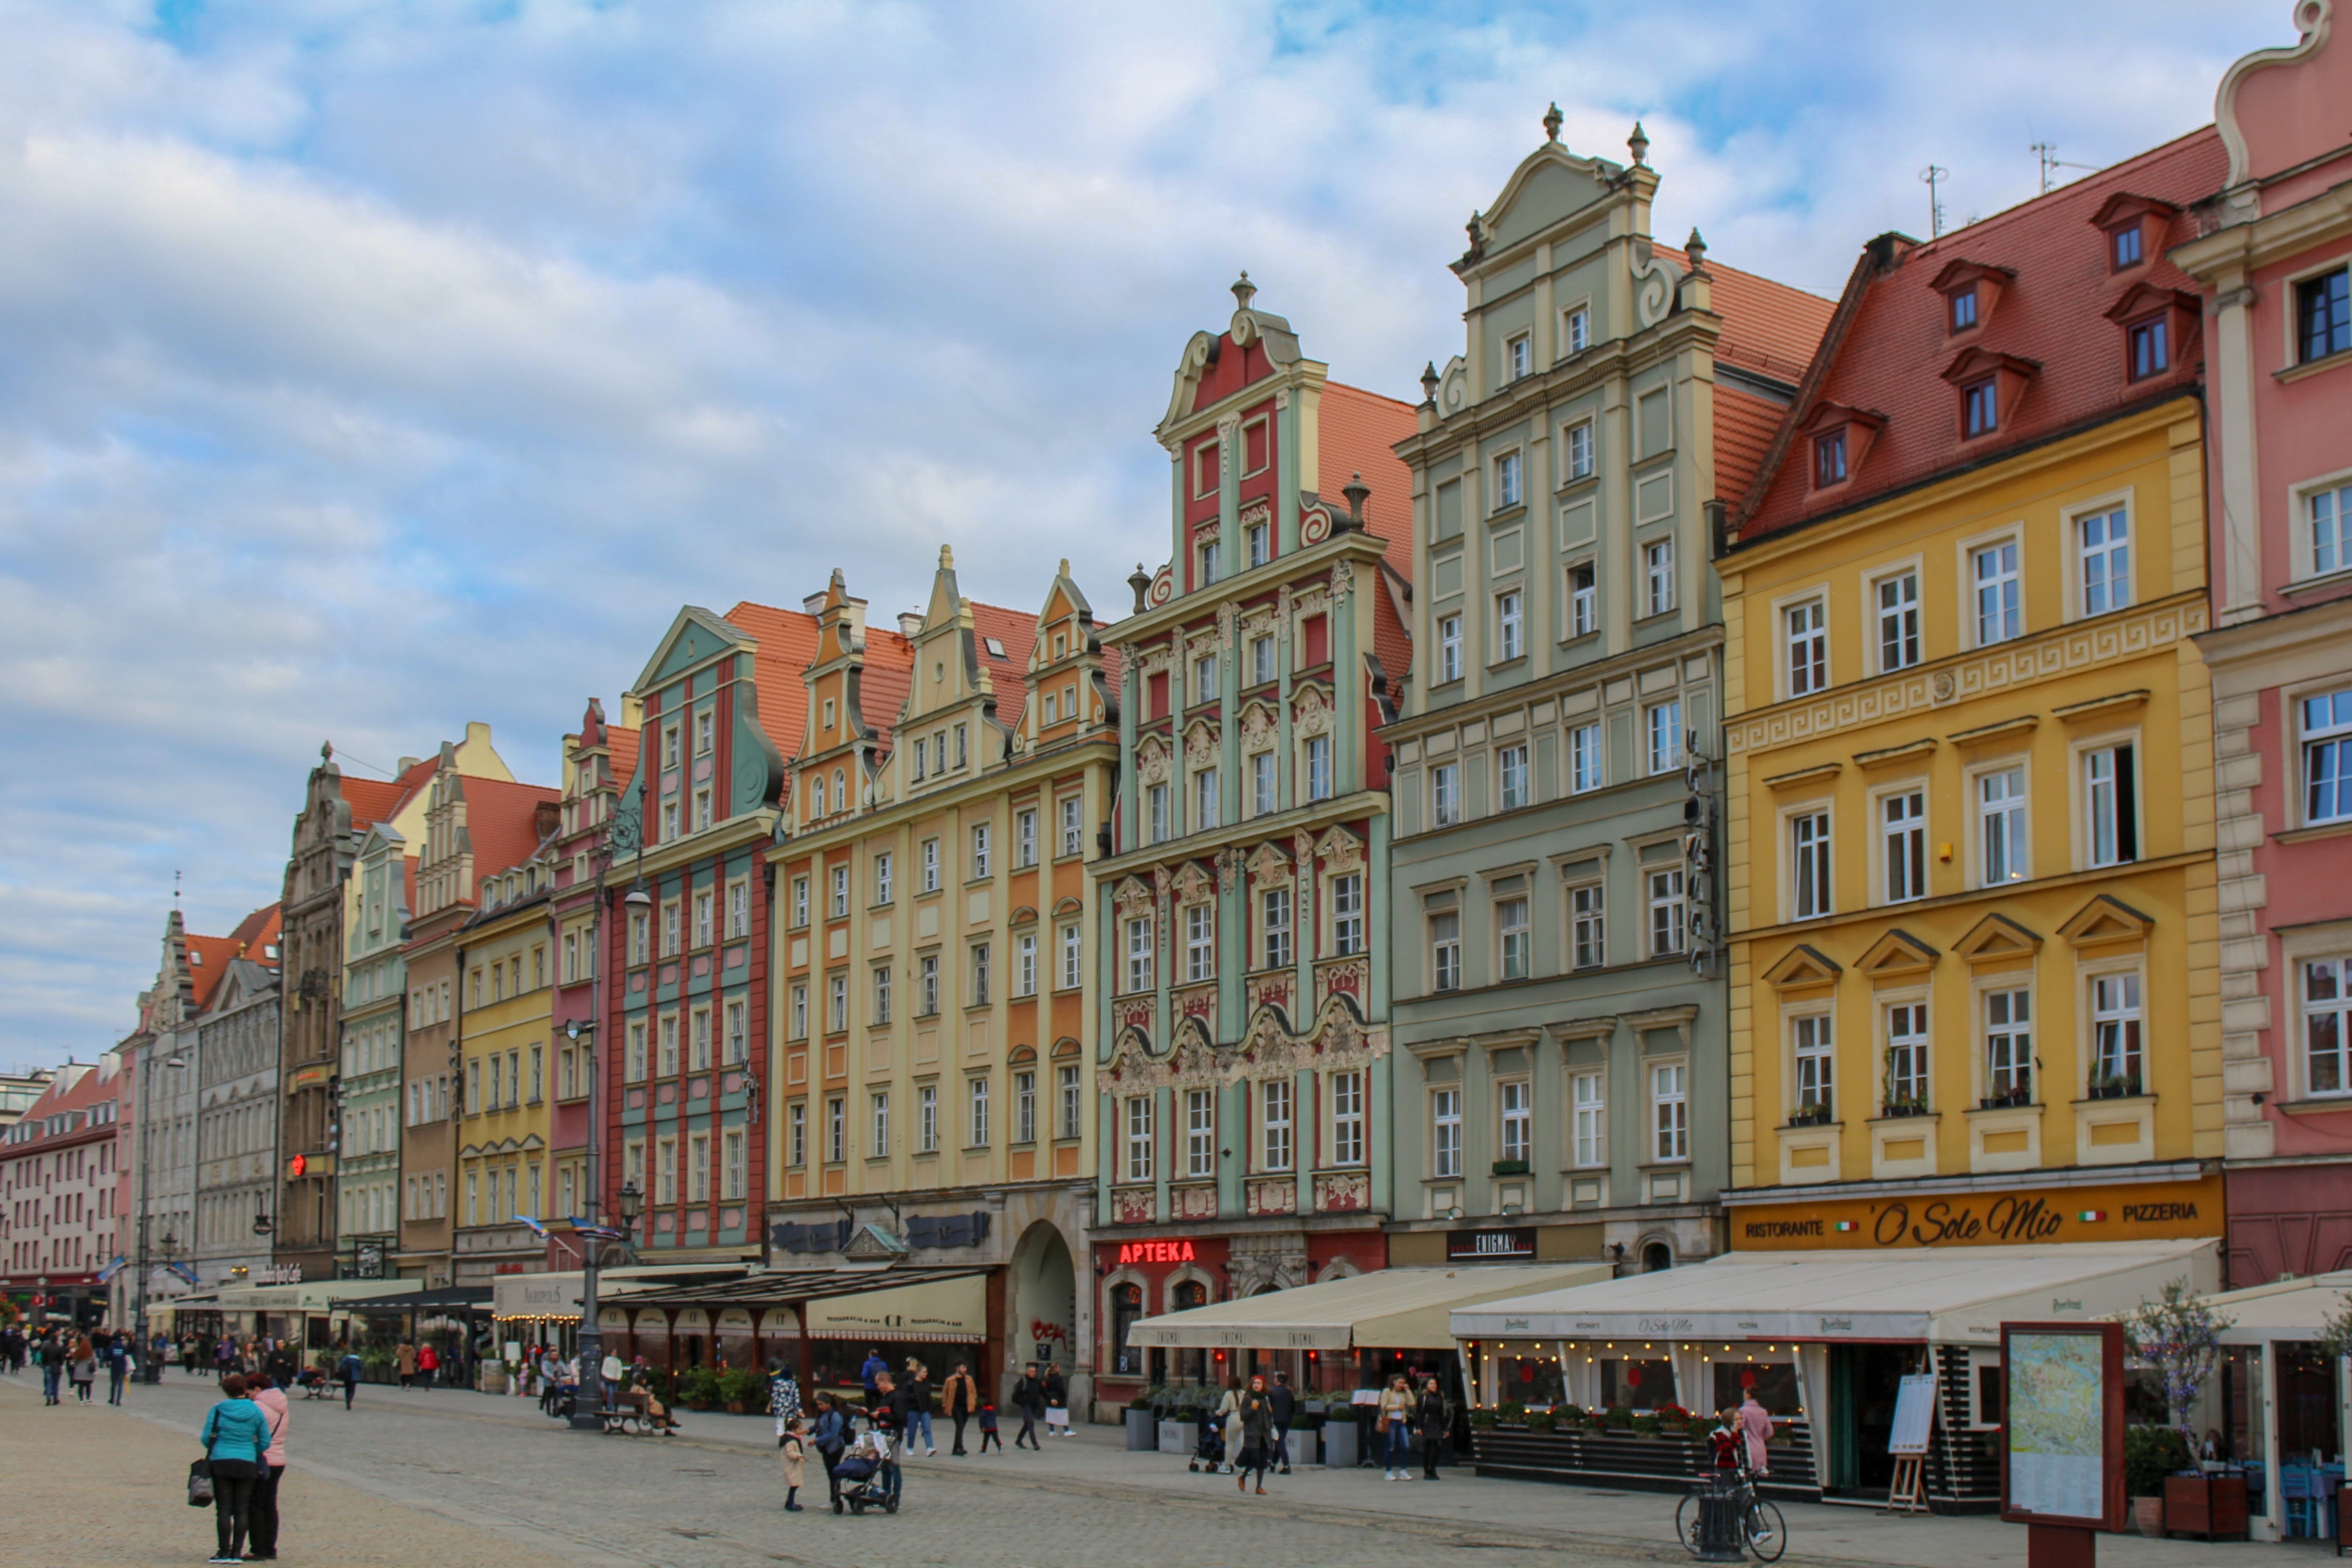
[381, 896]
[1243, 1070]
[1558, 1002]
[237, 1069]
[935, 954]
[2272, 255]
[61, 1218]
[685, 1096]
[503, 1174]
[1970, 793]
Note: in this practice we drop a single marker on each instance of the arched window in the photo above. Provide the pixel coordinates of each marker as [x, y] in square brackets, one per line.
[1657, 1258]
[840, 791]
[1126, 1306]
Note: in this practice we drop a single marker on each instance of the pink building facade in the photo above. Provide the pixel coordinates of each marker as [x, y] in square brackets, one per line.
[61, 1200]
[2275, 260]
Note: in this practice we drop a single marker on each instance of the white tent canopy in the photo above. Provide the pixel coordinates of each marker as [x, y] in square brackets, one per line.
[1956, 1295]
[2292, 1310]
[1394, 1309]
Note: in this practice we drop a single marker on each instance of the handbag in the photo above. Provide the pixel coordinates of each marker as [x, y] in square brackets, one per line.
[200, 1483]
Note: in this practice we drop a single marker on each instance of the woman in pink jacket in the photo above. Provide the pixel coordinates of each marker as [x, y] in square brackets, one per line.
[274, 1410]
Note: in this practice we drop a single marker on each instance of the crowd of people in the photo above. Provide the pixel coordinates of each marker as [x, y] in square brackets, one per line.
[67, 1357]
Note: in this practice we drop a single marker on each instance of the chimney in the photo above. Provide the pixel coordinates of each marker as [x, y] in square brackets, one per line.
[813, 605]
[545, 819]
[910, 622]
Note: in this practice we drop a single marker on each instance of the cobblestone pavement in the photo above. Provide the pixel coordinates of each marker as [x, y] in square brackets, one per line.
[459, 1478]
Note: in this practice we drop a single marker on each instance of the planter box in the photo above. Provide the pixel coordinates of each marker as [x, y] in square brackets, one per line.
[1339, 1444]
[2209, 1506]
[1142, 1432]
[1179, 1437]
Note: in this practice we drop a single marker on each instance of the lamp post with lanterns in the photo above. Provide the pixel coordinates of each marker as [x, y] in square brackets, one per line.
[588, 1398]
[154, 1368]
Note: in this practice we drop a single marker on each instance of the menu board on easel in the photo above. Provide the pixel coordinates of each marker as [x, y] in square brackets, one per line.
[1915, 1423]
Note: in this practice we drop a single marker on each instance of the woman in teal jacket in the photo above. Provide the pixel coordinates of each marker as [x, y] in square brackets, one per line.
[235, 1435]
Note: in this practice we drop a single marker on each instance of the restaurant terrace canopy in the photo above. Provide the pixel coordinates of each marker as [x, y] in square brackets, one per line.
[1394, 1309]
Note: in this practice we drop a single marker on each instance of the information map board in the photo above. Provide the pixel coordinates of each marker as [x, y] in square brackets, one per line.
[2063, 1442]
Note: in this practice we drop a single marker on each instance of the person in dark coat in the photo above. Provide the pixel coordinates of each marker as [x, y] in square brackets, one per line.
[1057, 1397]
[830, 1438]
[962, 1396]
[1434, 1421]
[1286, 1405]
[1029, 1398]
[1257, 1435]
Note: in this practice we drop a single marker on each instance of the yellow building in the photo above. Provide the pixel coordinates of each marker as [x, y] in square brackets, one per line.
[503, 1132]
[1969, 821]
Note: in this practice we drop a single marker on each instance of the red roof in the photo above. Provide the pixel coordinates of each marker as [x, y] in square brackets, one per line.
[1744, 427]
[502, 821]
[622, 745]
[787, 640]
[77, 1086]
[1889, 352]
[208, 959]
[1016, 632]
[887, 675]
[375, 800]
[1358, 435]
[1768, 327]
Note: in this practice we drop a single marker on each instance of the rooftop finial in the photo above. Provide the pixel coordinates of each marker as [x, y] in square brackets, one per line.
[1697, 249]
[947, 557]
[1243, 290]
[1638, 143]
[1551, 123]
[326, 750]
[1429, 381]
[1358, 493]
[1141, 581]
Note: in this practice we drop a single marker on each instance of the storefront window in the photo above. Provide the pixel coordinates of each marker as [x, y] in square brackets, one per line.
[1523, 1374]
[1188, 1365]
[1637, 1384]
[1126, 1306]
[2309, 1420]
[1774, 1382]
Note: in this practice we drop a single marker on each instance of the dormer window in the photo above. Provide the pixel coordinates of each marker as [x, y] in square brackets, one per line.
[1980, 409]
[1829, 459]
[1971, 290]
[1964, 309]
[1989, 385]
[2157, 326]
[2126, 247]
[2134, 228]
[2150, 352]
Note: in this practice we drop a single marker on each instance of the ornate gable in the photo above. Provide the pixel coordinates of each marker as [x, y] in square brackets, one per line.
[2106, 918]
[1996, 937]
[1898, 953]
[1803, 965]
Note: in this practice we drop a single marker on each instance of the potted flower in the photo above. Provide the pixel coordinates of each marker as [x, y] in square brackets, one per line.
[1618, 1418]
[739, 1389]
[1482, 1418]
[699, 1389]
[1646, 1425]
[2150, 1454]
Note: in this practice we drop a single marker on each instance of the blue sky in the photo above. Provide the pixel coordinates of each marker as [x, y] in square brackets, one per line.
[368, 368]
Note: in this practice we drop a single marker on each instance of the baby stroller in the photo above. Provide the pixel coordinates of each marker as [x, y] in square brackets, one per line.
[860, 1474]
[1209, 1453]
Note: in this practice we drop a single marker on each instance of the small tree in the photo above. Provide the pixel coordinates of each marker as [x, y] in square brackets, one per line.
[2336, 1330]
[2180, 1337]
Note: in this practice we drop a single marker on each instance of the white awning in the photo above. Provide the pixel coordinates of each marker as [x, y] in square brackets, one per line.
[951, 1311]
[1395, 1308]
[1956, 1295]
[2284, 1309]
[555, 1295]
[312, 1296]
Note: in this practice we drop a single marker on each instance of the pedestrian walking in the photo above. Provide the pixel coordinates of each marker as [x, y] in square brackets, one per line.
[870, 1373]
[83, 1368]
[235, 1435]
[830, 1438]
[117, 1369]
[271, 1399]
[1255, 1408]
[347, 1368]
[784, 1400]
[1029, 1398]
[1286, 1405]
[50, 1355]
[12, 1350]
[404, 1364]
[960, 1397]
[224, 1357]
[917, 1390]
[795, 1446]
[1394, 1426]
[188, 1354]
[1435, 1419]
[428, 1361]
[1057, 1401]
[987, 1432]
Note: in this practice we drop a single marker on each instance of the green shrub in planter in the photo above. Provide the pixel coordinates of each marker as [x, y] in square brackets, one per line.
[1539, 1420]
[742, 1387]
[1302, 1421]
[1564, 1416]
[2150, 1454]
[1513, 1413]
[1646, 1425]
[1482, 1418]
[1618, 1417]
[699, 1384]
[1142, 1400]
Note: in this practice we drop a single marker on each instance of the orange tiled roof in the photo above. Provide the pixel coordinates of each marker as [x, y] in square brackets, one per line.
[1016, 632]
[208, 961]
[1744, 427]
[623, 746]
[787, 640]
[1768, 327]
[889, 675]
[1892, 348]
[1359, 431]
[501, 819]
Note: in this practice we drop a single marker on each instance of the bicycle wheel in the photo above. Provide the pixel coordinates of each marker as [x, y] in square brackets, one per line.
[1686, 1524]
[1767, 1533]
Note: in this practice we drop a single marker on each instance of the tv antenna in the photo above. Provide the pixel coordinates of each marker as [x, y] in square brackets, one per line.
[1931, 174]
[2048, 153]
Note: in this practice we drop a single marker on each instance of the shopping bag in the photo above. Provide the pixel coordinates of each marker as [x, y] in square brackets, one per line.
[200, 1483]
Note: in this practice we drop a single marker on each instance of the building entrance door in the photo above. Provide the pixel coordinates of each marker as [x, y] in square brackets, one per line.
[1863, 1382]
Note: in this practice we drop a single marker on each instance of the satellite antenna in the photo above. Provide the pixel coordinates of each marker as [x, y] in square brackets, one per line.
[1931, 174]
[2048, 153]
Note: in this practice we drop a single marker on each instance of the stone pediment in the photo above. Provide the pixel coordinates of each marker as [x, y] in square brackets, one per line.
[1899, 953]
[1996, 936]
[1804, 964]
[2106, 918]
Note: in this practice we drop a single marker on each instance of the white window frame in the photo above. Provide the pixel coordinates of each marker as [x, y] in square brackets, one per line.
[976, 1127]
[1575, 328]
[2117, 1005]
[1074, 829]
[1805, 624]
[1318, 767]
[2315, 556]
[1586, 769]
[882, 889]
[1666, 897]
[1583, 600]
[1073, 970]
[1139, 955]
[1265, 784]
[1588, 922]
[2007, 1038]
[2331, 739]
[1445, 930]
[1025, 837]
[1810, 834]
[1446, 1132]
[1200, 944]
[2090, 788]
[1024, 964]
[1277, 1108]
[1141, 1138]
[1900, 841]
[1518, 356]
[1276, 919]
[1658, 576]
[1344, 896]
[2001, 618]
[1348, 1144]
[1513, 938]
[1664, 746]
[2336, 1011]
[1813, 1061]
[1907, 629]
[1906, 1051]
[930, 864]
[1510, 625]
[1200, 1133]
[1510, 471]
[926, 1119]
[1511, 778]
[1670, 1111]
[1588, 1097]
[2009, 817]
[1446, 794]
[1449, 647]
[2084, 557]
[1578, 447]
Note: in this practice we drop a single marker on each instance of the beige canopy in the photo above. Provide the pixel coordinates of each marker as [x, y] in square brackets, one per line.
[1395, 1308]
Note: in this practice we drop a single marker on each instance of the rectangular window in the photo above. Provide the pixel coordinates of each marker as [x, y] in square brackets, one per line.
[739, 910]
[979, 975]
[1589, 1118]
[668, 1054]
[1829, 459]
[800, 1012]
[1073, 837]
[836, 1003]
[1200, 944]
[881, 993]
[1670, 1111]
[1204, 679]
[636, 1059]
[1346, 1119]
[1665, 723]
[1258, 540]
[922, 758]
[1507, 492]
[1898, 622]
[2009, 1047]
[930, 865]
[1347, 915]
[1510, 639]
[1906, 1058]
[1806, 634]
[702, 812]
[1816, 1067]
[1449, 648]
[1274, 1123]
[1964, 310]
[1065, 1086]
[665, 1170]
[838, 875]
[796, 1133]
[1518, 1120]
[1024, 1107]
[2327, 757]
[1446, 951]
[1140, 1140]
[1511, 776]
[738, 1036]
[1318, 767]
[1199, 1133]
[698, 1169]
[1071, 974]
[926, 986]
[1519, 355]
[1588, 926]
[2001, 844]
[1156, 813]
[1261, 658]
[2115, 1035]
[1273, 927]
[800, 907]
[1262, 801]
[1516, 940]
[1024, 838]
[1584, 758]
[1446, 1132]
[1577, 330]
[1980, 412]
[1667, 912]
[882, 878]
[2111, 804]
[1211, 568]
[979, 851]
[1583, 601]
[836, 1129]
[2326, 1038]
[1809, 855]
[2105, 540]
[960, 752]
[1024, 964]
[1903, 839]
[699, 1055]
[926, 1119]
[1446, 794]
[2151, 350]
[732, 1177]
[1205, 800]
[1658, 572]
[1998, 614]
[2127, 250]
[879, 1110]
[2322, 314]
[1579, 463]
[1139, 955]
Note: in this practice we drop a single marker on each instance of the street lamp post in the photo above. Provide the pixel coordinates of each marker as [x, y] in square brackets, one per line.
[153, 1371]
[588, 1394]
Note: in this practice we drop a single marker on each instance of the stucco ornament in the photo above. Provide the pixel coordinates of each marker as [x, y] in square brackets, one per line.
[1200, 746]
[1310, 711]
[1151, 761]
[1229, 868]
[1315, 525]
[1654, 288]
[1257, 728]
[1341, 851]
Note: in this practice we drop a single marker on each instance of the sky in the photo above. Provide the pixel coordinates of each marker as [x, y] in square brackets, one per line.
[370, 368]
